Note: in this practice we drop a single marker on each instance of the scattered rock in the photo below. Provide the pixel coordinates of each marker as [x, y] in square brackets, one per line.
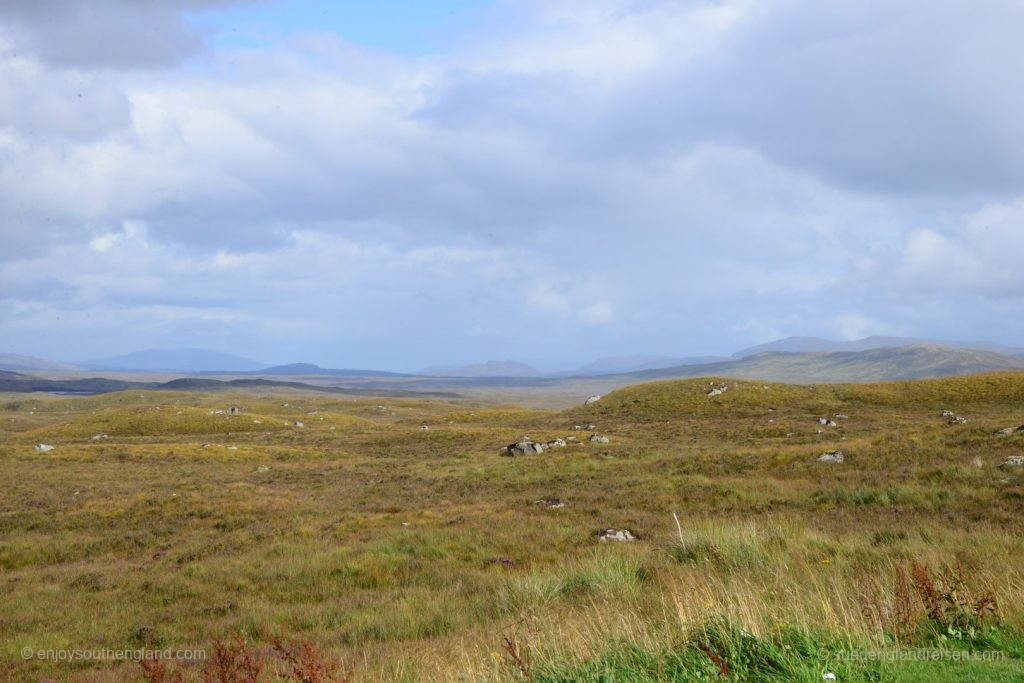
[599, 438]
[790, 435]
[257, 422]
[43, 447]
[590, 426]
[577, 428]
[832, 456]
[551, 502]
[556, 443]
[841, 416]
[958, 420]
[593, 399]
[1010, 431]
[424, 428]
[718, 391]
[825, 422]
[262, 468]
[606, 535]
[948, 413]
[1014, 461]
[524, 447]
[297, 423]
[234, 410]
[98, 437]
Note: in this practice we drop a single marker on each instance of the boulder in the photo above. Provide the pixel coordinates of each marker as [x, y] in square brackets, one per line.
[832, 456]
[590, 426]
[718, 391]
[297, 423]
[623, 535]
[599, 438]
[958, 420]
[1014, 461]
[593, 399]
[98, 437]
[1010, 431]
[43, 447]
[556, 443]
[948, 413]
[825, 422]
[551, 502]
[524, 447]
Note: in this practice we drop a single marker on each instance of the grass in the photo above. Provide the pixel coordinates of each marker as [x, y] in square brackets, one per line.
[360, 547]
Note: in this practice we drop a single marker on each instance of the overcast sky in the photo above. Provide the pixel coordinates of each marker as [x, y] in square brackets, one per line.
[412, 183]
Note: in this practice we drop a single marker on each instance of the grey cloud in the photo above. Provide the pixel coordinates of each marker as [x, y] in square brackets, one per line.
[87, 34]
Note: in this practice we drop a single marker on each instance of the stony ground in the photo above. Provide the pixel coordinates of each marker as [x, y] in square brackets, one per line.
[395, 552]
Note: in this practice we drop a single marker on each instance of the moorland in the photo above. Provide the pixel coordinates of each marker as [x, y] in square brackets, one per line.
[321, 536]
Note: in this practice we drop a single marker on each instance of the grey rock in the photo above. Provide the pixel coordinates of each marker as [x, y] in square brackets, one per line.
[825, 422]
[718, 391]
[622, 535]
[593, 399]
[98, 437]
[551, 502]
[1014, 461]
[43, 447]
[599, 438]
[1010, 431]
[556, 443]
[524, 447]
[832, 456]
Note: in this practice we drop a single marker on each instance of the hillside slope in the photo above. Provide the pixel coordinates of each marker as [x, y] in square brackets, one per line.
[907, 362]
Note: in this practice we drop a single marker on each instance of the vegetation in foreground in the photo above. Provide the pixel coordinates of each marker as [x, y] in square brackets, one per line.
[360, 546]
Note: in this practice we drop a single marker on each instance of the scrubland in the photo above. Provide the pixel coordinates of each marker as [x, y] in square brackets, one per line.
[360, 546]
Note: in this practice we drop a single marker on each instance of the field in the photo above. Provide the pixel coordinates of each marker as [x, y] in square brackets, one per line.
[360, 546]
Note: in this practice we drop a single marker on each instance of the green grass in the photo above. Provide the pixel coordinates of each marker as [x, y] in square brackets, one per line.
[413, 555]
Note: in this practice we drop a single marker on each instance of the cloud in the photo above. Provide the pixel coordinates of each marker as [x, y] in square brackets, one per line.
[700, 174]
[119, 34]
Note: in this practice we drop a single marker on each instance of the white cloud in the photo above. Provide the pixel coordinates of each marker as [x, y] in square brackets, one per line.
[704, 174]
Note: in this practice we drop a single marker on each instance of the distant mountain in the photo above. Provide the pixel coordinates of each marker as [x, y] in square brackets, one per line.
[312, 369]
[12, 361]
[617, 364]
[904, 362]
[817, 344]
[492, 368]
[175, 360]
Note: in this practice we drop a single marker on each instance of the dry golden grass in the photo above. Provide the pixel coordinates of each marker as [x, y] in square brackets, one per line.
[403, 554]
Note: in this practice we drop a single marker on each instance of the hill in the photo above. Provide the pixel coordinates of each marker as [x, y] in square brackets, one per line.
[619, 364]
[817, 344]
[13, 361]
[175, 360]
[313, 369]
[492, 368]
[906, 362]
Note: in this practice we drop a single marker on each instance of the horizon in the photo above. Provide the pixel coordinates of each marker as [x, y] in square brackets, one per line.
[421, 184]
[627, 363]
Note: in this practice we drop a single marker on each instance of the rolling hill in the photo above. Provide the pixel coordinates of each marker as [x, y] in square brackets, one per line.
[175, 360]
[13, 361]
[904, 362]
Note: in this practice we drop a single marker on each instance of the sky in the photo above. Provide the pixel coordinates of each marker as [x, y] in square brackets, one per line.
[399, 184]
